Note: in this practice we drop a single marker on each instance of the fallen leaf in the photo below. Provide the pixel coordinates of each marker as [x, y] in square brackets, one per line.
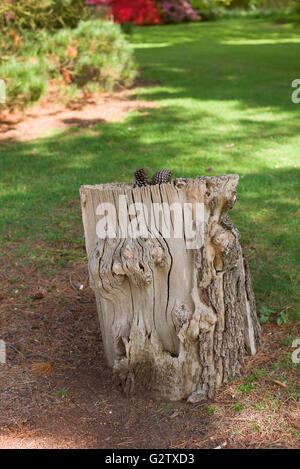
[279, 383]
[43, 368]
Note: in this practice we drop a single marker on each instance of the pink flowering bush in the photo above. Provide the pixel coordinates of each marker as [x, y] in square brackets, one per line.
[98, 3]
[176, 11]
[173, 12]
[148, 11]
[190, 13]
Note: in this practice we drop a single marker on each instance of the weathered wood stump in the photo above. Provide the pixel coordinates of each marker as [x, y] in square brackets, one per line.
[176, 308]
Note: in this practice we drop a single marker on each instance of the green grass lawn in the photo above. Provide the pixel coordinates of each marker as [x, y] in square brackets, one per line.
[223, 95]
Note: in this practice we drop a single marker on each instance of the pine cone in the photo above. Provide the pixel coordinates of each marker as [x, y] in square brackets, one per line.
[162, 177]
[140, 178]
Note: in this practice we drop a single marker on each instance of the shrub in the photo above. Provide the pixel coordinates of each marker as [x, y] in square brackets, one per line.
[99, 8]
[94, 56]
[95, 52]
[176, 11]
[268, 4]
[209, 9]
[50, 14]
[25, 82]
[139, 12]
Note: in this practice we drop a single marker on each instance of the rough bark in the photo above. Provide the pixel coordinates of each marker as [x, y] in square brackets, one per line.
[175, 322]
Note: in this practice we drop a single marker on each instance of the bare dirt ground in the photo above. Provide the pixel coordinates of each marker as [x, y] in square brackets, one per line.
[56, 390]
[49, 115]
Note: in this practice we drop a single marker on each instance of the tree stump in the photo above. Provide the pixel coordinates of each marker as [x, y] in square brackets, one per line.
[177, 313]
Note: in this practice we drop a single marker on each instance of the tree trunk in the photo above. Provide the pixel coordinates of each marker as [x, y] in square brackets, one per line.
[176, 312]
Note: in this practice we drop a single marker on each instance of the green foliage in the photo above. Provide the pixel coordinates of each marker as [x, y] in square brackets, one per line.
[95, 52]
[25, 83]
[287, 340]
[282, 318]
[127, 27]
[265, 314]
[209, 4]
[209, 9]
[260, 407]
[248, 382]
[211, 409]
[237, 407]
[257, 374]
[255, 427]
[246, 388]
[50, 14]
[297, 6]
[94, 55]
[268, 4]
[60, 392]
[281, 11]
[278, 10]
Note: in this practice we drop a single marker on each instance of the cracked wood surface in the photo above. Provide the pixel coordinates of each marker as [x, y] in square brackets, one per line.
[175, 322]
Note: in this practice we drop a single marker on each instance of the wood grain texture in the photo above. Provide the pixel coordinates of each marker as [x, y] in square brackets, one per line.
[175, 322]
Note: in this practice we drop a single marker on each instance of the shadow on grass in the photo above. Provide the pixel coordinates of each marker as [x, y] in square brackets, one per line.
[252, 63]
[256, 76]
[40, 201]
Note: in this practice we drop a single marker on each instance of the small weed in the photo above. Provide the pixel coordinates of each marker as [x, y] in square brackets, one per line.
[238, 407]
[260, 407]
[255, 427]
[246, 388]
[231, 379]
[272, 402]
[285, 363]
[101, 405]
[15, 280]
[211, 409]
[287, 340]
[265, 314]
[60, 392]
[257, 374]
